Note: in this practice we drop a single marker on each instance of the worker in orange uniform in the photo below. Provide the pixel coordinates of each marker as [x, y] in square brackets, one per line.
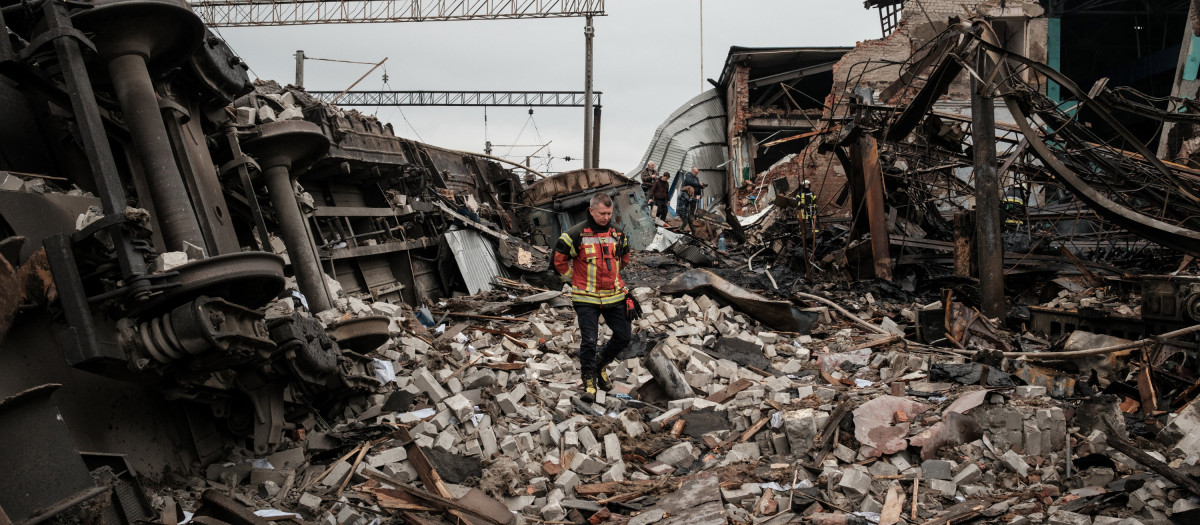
[590, 256]
[806, 202]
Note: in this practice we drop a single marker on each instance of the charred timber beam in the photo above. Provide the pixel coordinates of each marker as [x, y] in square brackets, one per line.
[988, 221]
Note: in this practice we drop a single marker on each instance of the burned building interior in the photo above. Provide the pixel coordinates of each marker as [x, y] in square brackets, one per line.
[224, 300]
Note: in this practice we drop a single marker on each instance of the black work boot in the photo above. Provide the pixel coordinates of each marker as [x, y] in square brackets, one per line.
[602, 380]
[589, 387]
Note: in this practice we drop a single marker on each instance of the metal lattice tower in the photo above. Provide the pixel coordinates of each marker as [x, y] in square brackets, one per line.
[246, 13]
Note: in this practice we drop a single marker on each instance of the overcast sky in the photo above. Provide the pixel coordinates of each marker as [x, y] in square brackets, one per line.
[647, 63]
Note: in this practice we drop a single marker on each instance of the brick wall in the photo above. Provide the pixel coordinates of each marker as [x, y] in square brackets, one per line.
[823, 170]
[737, 105]
[877, 63]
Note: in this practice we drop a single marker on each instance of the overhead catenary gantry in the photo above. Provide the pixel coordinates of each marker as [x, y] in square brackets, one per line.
[253, 13]
[554, 99]
[247, 13]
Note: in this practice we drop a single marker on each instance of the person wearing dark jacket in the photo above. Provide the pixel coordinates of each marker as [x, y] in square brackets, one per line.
[590, 256]
[659, 191]
[689, 196]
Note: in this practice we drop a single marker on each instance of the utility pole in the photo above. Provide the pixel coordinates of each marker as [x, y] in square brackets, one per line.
[299, 68]
[701, 46]
[989, 247]
[588, 159]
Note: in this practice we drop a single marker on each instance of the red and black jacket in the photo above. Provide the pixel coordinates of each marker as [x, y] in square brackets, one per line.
[590, 257]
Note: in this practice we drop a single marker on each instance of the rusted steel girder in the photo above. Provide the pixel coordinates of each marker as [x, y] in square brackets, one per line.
[865, 156]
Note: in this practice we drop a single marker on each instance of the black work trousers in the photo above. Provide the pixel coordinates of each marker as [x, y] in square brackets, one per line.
[589, 328]
[661, 204]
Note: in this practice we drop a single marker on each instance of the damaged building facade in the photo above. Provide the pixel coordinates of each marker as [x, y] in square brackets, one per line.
[228, 302]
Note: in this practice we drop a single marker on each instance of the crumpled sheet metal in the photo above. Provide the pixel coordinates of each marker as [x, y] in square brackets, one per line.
[876, 428]
[780, 315]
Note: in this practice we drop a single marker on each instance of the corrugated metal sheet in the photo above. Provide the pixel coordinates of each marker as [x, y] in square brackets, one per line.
[694, 135]
[476, 257]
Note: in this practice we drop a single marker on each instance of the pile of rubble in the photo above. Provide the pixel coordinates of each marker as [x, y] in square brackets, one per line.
[714, 418]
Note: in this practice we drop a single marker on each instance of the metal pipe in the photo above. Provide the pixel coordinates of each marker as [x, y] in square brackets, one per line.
[135, 92]
[305, 265]
[588, 32]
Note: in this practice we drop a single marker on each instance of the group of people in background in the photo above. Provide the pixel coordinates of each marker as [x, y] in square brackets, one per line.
[658, 187]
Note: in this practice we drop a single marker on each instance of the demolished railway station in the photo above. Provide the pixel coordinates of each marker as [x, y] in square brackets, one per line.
[945, 276]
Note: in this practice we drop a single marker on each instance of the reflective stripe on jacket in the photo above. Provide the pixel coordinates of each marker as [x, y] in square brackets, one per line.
[590, 257]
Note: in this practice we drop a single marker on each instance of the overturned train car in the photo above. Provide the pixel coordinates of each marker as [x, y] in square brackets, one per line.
[154, 202]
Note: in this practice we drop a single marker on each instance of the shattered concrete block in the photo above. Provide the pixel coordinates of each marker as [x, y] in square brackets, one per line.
[801, 428]
[883, 469]
[679, 455]
[168, 261]
[336, 475]
[844, 453]
[446, 441]
[658, 468]
[245, 116]
[937, 469]
[855, 482]
[428, 384]
[1062, 517]
[309, 502]
[657, 423]
[738, 495]
[1015, 462]
[266, 114]
[291, 112]
[748, 450]
[616, 473]
[553, 512]
[290, 458]
[969, 474]
[461, 406]
[870, 504]
[943, 487]
[587, 465]
[612, 447]
[653, 515]
[1029, 391]
[391, 455]
[567, 481]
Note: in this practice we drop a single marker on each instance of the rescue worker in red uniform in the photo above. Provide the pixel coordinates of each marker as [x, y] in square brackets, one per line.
[590, 256]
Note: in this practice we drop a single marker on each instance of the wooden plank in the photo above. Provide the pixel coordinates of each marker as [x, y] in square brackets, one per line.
[1146, 390]
[440, 502]
[353, 467]
[1139, 455]
[727, 393]
[893, 506]
[488, 317]
[611, 487]
[961, 512]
